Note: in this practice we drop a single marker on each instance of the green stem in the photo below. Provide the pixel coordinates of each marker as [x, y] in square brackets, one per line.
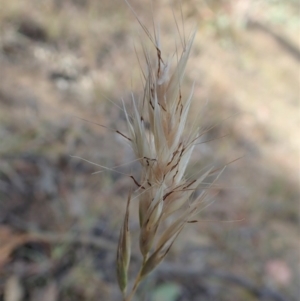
[135, 286]
[137, 281]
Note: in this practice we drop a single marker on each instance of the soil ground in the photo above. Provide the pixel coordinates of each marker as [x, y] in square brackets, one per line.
[59, 222]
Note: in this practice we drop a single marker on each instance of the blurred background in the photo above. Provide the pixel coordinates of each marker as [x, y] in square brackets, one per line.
[59, 222]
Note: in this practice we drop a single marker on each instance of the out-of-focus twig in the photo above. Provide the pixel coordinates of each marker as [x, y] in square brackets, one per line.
[180, 271]
[70, 238]
[282, 41]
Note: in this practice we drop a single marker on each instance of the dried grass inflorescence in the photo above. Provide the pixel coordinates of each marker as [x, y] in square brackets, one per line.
[161, 140]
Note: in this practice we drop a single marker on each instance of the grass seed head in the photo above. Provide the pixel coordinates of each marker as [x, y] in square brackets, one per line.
[165, 147]
[161, 139]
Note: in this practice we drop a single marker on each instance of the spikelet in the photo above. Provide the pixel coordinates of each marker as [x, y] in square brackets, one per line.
[123, 252]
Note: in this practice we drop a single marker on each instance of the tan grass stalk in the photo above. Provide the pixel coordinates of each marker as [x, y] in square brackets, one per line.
[165, 146]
